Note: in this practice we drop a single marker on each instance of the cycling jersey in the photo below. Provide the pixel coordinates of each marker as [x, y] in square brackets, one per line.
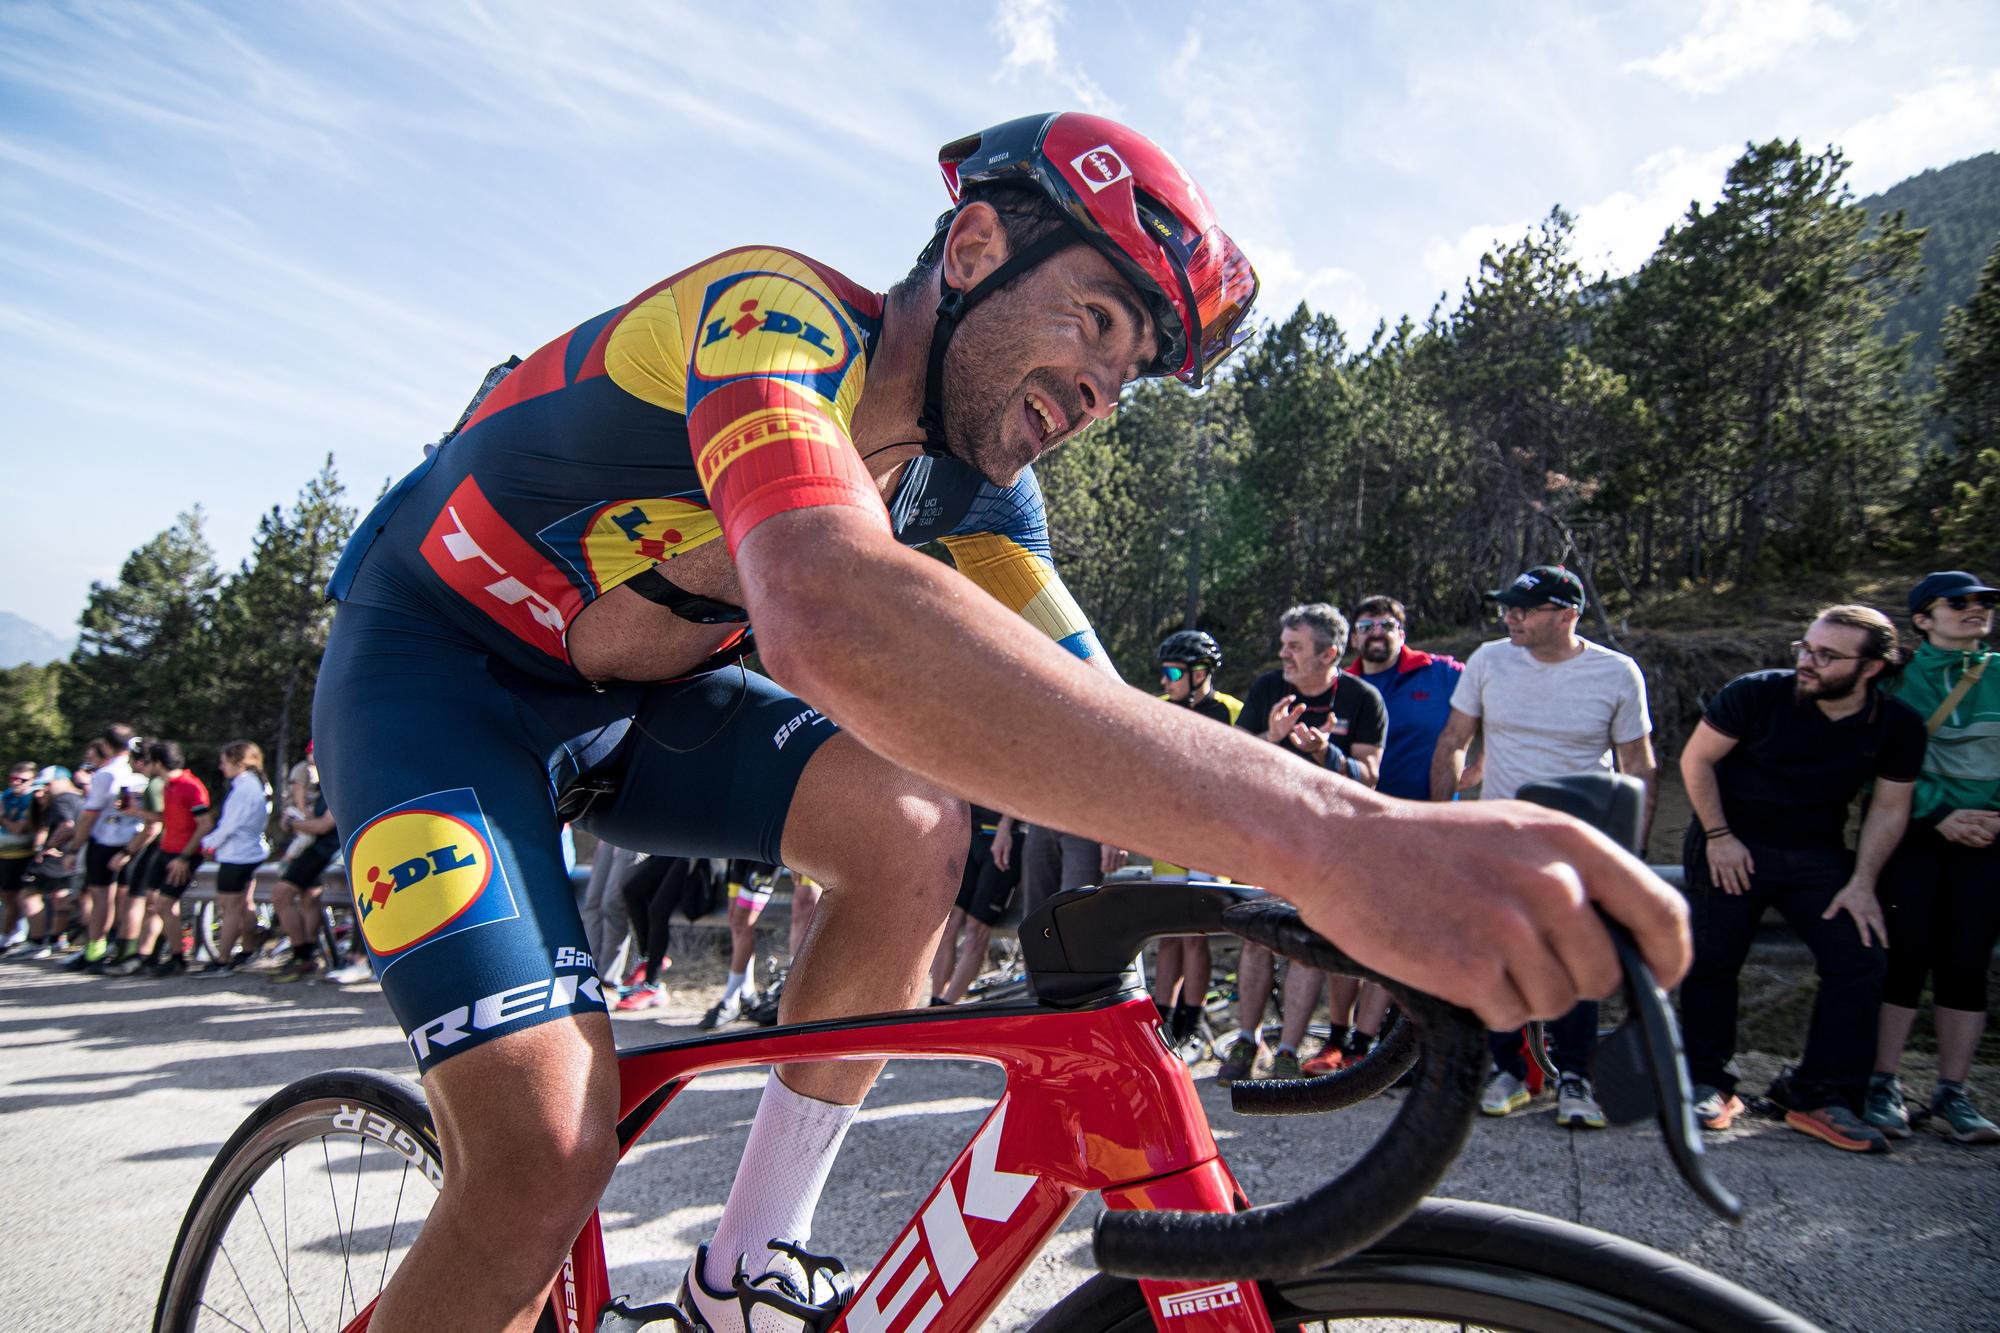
[449, 718]
[710, 402]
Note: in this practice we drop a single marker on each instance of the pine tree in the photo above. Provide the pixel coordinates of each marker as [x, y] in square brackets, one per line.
[140, 656]
[31, 719]
[1969, 403]
[272, 621]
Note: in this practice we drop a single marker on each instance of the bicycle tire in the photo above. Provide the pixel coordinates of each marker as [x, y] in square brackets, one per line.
[356, 1107]
[1472, 1265]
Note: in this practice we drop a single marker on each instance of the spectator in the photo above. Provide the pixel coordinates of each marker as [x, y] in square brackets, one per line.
[605, 922]
[652, 890]
[112, 818]
[1941, 891]
[1548, 703]
[1055, 862]
[170, 861]
[239, 847]
[1416, 690]
[301, 796]
[1188, 661]
[1771, 768]
[985, 892]
[749, 889]
[299, 886]
[1315, 710]
[45, 895]
[17, 844]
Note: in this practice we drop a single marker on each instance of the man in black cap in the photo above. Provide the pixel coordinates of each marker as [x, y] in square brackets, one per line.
[1549, 703]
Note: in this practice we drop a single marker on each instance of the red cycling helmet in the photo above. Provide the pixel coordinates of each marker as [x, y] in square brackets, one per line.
[1126, 196]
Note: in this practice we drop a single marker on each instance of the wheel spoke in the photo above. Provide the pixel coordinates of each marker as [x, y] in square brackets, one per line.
[247, 1300]
[204, 1305]
[395, 1219]
[343, 1230]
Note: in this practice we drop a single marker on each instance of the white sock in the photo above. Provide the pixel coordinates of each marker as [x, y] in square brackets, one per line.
[733, 989]
[793, 1142]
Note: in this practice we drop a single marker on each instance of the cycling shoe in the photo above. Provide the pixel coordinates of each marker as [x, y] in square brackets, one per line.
[803, 1293]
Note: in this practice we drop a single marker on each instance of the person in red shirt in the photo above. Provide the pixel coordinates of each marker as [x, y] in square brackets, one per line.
[170, 862]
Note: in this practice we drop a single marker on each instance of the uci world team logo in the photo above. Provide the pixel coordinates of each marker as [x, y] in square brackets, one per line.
[424, 870]
[771, 324]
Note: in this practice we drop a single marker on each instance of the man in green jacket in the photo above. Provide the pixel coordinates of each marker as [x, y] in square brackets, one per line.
[1942, 889]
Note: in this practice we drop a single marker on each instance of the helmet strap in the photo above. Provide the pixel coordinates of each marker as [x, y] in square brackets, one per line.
[952, 307]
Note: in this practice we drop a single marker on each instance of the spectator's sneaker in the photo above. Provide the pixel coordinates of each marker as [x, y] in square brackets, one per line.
[1885, 1108]
[1285, 1064]
[1328, 1060]
[43, 953]
[353, 973]
[633, 979]
[1958, 1119]
[81, 960]
[805, 1292]
[725, 1010]
[649, 995]
[170, 966]
[1237, 1061]
[210, 971]
[1576, 1103]
[1840, 1127]
[297, 969]
[1714, 1109]
[1191, 1049]
[1504, 1094]
[127, 966]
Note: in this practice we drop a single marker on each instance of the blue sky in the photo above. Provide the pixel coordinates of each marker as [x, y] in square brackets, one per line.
[236, 237]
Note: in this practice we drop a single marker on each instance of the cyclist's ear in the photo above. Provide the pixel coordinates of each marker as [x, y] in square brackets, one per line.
[975, 245]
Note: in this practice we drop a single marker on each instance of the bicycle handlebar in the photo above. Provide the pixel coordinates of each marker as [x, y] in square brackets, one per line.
[1639, 1070]
[1364, 1201]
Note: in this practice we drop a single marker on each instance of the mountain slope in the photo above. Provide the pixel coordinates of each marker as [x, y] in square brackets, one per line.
[23, 641]
[1960, 205]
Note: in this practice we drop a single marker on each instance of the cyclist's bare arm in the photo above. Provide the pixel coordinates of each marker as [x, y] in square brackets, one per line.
[1484, 903]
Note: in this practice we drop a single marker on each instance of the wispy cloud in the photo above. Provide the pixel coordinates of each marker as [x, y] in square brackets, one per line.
[1735, 38]
[1029, 29]
[1614, 234]
[1956, 116]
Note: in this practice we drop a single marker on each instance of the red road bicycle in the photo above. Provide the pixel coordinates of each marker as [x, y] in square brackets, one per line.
[1094, 1101]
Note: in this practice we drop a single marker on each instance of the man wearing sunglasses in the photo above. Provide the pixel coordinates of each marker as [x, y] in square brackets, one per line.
[546, 619]
[1771, 769]
[1188, 661]
[1548, 702]
[1941, 892]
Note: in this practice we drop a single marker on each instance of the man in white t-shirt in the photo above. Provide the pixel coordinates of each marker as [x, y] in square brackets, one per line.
[1549, 703]
[109, 833]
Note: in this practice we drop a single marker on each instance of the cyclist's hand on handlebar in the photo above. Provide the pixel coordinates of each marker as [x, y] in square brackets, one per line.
[1488, 904]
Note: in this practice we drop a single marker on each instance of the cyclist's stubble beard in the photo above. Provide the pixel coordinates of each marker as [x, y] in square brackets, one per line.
[983, 379]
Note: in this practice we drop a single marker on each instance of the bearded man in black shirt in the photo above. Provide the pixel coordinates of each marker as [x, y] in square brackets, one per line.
[1771, 770]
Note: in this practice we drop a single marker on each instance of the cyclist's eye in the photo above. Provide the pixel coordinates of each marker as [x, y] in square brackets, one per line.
[1103, 320]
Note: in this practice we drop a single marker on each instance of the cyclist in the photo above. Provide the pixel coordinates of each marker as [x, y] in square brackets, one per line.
[1188, 660]
[539, 623]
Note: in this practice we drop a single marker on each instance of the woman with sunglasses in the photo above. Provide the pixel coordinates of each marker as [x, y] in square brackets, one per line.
[1942, 890]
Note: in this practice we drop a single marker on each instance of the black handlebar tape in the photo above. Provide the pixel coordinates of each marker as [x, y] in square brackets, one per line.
[1365, 1201]
[1347, 1086]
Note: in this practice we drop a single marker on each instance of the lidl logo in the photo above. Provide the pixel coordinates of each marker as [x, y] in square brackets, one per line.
[630, 534]
[424, 870]
[767, 323]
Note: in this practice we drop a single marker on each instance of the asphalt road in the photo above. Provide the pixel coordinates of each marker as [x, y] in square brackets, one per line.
[114, 1095]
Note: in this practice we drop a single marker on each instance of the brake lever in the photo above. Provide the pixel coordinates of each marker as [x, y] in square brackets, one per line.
[1639, 1069]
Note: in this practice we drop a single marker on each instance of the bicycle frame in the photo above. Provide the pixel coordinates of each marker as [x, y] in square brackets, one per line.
[1094, 1101]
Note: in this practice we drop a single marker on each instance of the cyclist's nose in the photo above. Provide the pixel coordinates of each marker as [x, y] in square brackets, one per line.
[1098, 401]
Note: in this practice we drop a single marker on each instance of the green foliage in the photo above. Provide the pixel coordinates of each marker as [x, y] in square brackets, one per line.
[1959, 209]
[31, 718]
[174, 649]
[143, 654]
[1969, 403]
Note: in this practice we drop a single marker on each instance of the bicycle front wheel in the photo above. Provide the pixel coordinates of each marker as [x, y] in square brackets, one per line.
[307, 1209]
[1454, 1265]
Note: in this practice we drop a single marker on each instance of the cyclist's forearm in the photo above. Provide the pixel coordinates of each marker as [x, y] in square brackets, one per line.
[1049, 741]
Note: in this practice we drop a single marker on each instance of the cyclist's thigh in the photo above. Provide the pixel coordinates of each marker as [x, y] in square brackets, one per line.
[436, 775]
[710, 768]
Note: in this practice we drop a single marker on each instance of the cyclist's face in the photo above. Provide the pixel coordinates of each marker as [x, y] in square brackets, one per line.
[1177, 680]
[1044, 357]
